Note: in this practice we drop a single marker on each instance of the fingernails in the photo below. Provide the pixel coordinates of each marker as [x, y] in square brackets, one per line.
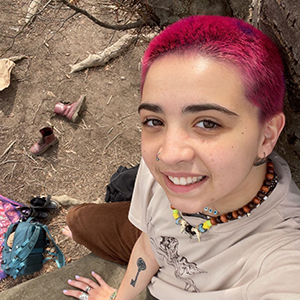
[64, 291]
[77, 277]
[93, 272]
[69, 280]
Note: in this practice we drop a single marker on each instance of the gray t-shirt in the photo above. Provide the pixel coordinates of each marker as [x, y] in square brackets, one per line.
[256, 257]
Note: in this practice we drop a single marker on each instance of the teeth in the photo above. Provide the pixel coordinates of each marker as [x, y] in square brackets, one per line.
[185, 181]
[182, 181]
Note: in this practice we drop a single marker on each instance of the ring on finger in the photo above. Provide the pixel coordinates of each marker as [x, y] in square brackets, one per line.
[83, 296]
[88, 288]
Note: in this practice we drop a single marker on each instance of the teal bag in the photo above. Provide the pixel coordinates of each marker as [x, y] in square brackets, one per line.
[26, 255]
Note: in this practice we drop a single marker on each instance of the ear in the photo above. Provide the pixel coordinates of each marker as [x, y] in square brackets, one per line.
[271, 132]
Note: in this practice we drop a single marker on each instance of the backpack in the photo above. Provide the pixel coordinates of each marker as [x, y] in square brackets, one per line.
[9, 213]
[121, 184]
[26, 254]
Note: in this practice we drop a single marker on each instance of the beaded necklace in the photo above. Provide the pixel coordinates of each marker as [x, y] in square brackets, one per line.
[268, 186]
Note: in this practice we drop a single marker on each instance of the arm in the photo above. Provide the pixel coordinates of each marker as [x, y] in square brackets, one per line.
[134, 281]
[141, 268]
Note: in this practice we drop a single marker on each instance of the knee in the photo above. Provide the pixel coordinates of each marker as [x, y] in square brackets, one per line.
[76, 214]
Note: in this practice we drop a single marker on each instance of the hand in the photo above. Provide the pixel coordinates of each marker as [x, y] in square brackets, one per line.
[100, 291]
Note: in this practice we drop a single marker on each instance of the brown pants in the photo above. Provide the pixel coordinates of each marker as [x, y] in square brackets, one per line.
[104, 229]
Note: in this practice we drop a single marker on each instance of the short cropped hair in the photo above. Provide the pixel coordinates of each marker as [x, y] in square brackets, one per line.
[229, 40]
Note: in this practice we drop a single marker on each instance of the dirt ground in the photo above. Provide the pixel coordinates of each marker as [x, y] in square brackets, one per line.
[90, 151]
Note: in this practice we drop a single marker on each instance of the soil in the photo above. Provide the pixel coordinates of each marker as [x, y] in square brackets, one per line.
[89, 151]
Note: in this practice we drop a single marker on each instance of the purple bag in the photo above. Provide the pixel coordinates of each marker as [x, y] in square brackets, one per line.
[8, 214]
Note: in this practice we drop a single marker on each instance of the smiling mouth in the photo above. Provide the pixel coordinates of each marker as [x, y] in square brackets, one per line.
[186, 180]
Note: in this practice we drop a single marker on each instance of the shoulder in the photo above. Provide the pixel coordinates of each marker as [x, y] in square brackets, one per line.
[279, 269]
[145, 190]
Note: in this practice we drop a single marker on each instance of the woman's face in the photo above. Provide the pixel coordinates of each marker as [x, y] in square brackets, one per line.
[206, 134]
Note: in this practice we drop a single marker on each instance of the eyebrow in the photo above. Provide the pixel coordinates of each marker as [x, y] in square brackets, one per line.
[152, 107]
[203, 107]
[189, 109]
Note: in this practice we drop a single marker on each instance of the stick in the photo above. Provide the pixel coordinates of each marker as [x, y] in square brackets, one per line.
[12, 171]
[112, 141]
[109, 100]
[7, 162]
[21, 186]
[29, 156]
[129, 115]
[110, 130]
[137, 24]
[36, 112]
[7, 149]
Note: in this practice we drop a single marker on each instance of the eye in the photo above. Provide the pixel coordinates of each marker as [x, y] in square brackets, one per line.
[207, 124]
[152, 122]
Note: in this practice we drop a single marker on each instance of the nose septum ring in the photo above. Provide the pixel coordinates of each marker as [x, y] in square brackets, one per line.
[157, 159]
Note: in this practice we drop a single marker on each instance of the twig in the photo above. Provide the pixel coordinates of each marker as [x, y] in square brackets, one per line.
[69, 142]
[86, 75]
[64, 21]
[109, 100]
[112, 141]
[65, 166]
[19, 187]
[25, 25]
[131, 164]
[110, 130]
[38, 168]
[29, 156]
[7, 162]
[137, 24]
[11, 173]
[39, 106]
[129, 115]
[7, 149]
[101, 126]
[84, 125]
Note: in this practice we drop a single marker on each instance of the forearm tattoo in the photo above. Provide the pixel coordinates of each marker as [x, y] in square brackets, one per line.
[141, 267]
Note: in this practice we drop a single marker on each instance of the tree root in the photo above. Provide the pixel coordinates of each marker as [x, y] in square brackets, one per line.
[66, 200]
[99, 60]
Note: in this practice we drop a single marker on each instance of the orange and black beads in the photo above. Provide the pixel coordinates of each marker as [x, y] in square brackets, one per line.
[262, 195]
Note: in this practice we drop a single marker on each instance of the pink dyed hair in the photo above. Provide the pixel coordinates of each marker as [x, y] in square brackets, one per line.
[230, 40]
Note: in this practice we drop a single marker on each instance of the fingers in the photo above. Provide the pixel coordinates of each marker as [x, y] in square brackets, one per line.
[82, 283]
[72, 293]
[99, 279]
[96, 291]
[66, 231]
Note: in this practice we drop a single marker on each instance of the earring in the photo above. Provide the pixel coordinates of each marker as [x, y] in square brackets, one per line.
[157, 159]
[260, 161]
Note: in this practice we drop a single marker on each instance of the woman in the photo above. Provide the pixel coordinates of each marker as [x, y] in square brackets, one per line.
[218, 212]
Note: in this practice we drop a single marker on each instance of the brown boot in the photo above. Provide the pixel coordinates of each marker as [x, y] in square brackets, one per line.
[48, 139]
[71, 111]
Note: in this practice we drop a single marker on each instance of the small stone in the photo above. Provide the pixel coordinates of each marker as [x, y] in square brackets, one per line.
[123, 78]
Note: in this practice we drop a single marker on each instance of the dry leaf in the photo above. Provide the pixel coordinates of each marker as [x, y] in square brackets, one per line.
[6, 66]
